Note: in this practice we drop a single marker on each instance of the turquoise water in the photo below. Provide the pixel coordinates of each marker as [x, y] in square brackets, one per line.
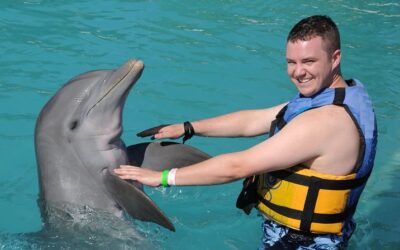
[203, 58]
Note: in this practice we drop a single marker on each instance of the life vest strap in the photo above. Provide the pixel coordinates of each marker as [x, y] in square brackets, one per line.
[316, 218]
[279, 122]
[291, 176]
[340, 94]
[310, 203]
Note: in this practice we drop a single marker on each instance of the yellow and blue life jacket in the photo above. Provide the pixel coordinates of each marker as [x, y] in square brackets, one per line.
[303, 199]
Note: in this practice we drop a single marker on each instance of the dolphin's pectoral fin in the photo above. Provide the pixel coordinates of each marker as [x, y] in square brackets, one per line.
[151, 131]
[164, 155]
[136, 153]
[134, 201]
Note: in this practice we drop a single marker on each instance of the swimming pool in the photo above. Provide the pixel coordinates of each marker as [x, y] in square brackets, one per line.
[203, 58]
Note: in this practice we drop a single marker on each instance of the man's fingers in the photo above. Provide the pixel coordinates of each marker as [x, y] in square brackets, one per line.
[124, 166]
[151, 131]
[125, 177]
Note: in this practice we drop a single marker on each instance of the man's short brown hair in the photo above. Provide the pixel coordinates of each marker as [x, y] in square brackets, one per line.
[314, 26]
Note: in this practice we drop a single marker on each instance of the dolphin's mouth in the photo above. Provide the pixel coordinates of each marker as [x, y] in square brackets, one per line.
[131, 69]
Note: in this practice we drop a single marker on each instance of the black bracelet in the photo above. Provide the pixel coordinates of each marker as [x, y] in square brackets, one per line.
[189, 131]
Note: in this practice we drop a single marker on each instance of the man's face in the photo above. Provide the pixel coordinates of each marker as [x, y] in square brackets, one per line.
[309, 66]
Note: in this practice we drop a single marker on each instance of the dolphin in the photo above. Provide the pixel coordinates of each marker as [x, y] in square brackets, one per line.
[78, 143]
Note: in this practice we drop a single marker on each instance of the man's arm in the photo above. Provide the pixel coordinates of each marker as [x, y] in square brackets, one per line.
[241, 123]
[323, 139]
[237, 124]
[297, 142]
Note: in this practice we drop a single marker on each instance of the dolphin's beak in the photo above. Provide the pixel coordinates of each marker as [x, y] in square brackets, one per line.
[121, 80]
[125, 77]
[129, 72]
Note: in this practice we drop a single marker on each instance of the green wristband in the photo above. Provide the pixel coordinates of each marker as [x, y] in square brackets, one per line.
[164, 178]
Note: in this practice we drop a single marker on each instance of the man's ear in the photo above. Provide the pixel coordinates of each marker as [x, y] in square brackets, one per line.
[336, 57]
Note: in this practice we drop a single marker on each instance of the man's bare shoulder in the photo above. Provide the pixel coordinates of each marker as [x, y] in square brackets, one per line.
[331, 115]
[324, 139]
[334, 135]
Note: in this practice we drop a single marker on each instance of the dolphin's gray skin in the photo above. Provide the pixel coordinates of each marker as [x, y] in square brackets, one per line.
[77, 141]
[163, 155]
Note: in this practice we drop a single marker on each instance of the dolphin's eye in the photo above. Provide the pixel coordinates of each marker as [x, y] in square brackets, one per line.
[73, 125]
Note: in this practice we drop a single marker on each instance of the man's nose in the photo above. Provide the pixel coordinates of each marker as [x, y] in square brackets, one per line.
[299, 70]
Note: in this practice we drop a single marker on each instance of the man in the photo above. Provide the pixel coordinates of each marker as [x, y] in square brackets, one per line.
[307, 177]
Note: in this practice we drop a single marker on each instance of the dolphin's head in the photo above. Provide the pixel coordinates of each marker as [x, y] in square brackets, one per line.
[86, 115]
[101, 98]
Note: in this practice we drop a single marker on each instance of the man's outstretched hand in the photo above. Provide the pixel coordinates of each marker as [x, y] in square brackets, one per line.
[151, 131]
[174, 131]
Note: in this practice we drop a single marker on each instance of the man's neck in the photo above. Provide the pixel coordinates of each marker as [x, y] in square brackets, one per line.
[338, 81]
